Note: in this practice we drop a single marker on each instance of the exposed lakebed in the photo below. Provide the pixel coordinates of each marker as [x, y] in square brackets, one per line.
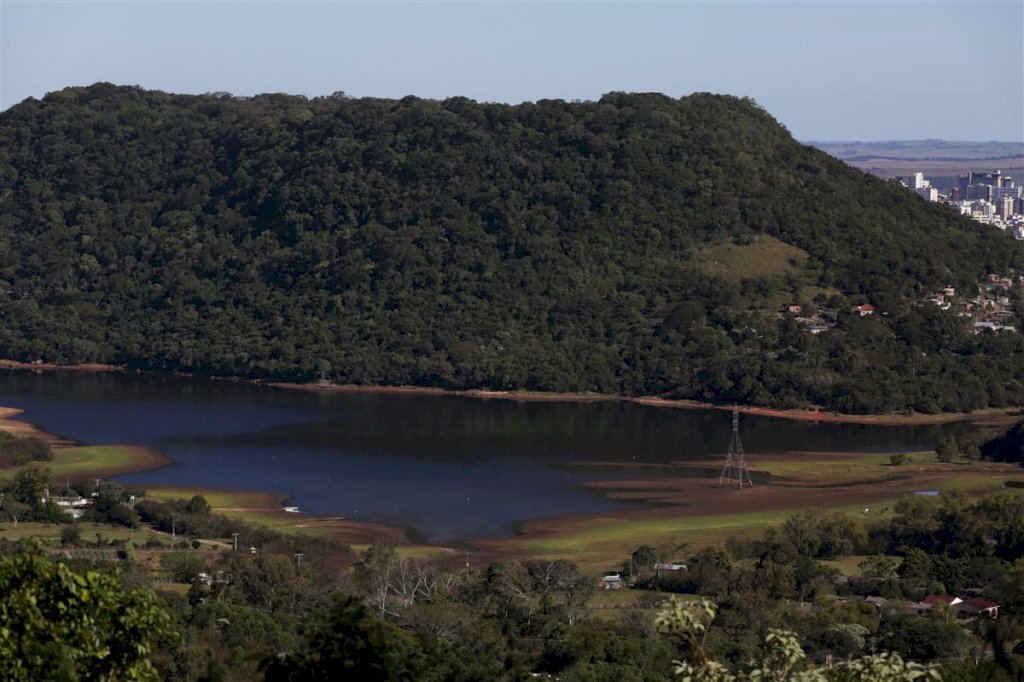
[444, 467]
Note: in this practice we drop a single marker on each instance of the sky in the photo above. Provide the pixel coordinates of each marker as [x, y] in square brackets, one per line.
[826, 70]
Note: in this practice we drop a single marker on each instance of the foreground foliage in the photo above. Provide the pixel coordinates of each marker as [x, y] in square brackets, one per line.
[56, 624]
[781, 658]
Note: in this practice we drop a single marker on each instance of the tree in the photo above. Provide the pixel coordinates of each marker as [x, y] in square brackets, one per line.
[643, 559]
[30, 484]
[71, 535]
[947, 450]
[350, 643]
[972, 452]
[1009, 447]
[197, 505]
[780, 659]
[58, 624]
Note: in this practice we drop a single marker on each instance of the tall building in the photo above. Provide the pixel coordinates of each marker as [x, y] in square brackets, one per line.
[1007, 190]
[915, 181]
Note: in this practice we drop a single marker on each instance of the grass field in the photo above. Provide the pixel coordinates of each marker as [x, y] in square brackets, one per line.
[50, 532]
[766, 257]
[101, 461]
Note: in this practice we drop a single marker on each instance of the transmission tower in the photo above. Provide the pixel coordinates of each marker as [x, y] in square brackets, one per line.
[735, 468]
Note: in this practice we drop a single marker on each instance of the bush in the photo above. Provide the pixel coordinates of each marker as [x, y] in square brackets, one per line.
[71, 535]
[898, 459]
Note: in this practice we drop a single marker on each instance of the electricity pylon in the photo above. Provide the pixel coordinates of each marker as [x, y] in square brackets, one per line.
[735, 468]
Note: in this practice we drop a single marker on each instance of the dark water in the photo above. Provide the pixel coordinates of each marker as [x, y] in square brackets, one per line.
[444, 467]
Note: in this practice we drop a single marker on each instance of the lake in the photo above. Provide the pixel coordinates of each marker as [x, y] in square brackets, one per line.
[443, 467]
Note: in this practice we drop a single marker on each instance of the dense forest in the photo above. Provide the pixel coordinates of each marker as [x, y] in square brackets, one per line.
[551, 246]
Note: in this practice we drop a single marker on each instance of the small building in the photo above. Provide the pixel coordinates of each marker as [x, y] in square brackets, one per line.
[668, 568]
[864, 309]
[612, 581]
[876, 601]
[977, 607]
[928, 603]
[795, 309]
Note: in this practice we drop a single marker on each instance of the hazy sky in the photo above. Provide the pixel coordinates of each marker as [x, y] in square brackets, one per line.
[826, 70]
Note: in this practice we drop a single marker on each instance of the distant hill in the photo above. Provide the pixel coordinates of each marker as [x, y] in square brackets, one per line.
[635, 245]
[940, 160]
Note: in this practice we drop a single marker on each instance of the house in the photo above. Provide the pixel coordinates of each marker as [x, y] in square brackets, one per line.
[864, 309]
[993, 278]
[795, 309]
[977, 606]
[878, 602]
[949, 291]
[981, 326]
[668, 568]
[610, 582]
[817, 328]
[928, 603]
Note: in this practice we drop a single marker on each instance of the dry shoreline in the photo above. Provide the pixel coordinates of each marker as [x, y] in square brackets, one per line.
[996, 416]
[23, 429]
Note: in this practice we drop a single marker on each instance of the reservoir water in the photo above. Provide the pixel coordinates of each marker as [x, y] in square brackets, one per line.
[444, 467]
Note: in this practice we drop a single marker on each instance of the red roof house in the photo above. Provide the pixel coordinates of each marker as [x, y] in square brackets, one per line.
[978, 606]
[864, 309]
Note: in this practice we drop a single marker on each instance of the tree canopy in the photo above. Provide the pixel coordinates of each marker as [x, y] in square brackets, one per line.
[56, 624]
[550, 246]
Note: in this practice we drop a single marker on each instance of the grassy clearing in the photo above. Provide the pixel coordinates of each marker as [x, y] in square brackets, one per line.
[414, 551]
[50, 532]
[103, 460]
[219, 499]
[765, 257]
[824, 467]
[850, 565]
[180, 589]
[603, 543]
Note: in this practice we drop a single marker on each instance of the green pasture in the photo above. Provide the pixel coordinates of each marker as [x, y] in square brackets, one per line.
[78, 462]
[821, 467]
[217, 498]
[607, 543]
[50, 532]
[767, 257]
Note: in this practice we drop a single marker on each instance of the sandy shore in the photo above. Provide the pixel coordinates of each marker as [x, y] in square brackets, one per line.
[24, 429]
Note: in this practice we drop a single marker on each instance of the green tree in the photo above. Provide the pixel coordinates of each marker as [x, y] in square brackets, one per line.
[197, 505]
[30, 484]
[947, 450]
[643, 559]
[350, 643]
[56, 624]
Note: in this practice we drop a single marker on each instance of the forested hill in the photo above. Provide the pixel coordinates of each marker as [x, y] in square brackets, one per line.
[638, 245]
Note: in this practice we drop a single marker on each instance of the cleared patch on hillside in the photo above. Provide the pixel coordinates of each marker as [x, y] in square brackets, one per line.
[766, 256]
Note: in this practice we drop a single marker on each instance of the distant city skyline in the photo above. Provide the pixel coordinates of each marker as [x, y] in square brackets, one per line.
[828, 71]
